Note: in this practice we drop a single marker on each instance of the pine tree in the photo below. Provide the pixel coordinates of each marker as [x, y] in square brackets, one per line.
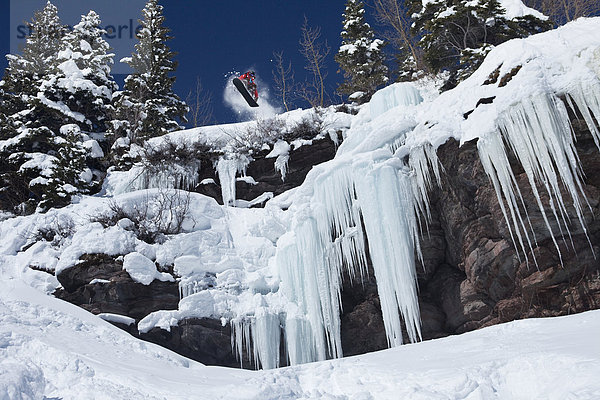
[48, 117]
[39, 54]
[67, 174]
[147, 107]
[360, 56]
[458, 34]
[78, 95]
[27, 140]
[82, 81]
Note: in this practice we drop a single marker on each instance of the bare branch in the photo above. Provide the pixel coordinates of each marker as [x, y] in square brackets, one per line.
[563, 11]
[283, 75]
[393, 14]
[200, 103]
[315, 53]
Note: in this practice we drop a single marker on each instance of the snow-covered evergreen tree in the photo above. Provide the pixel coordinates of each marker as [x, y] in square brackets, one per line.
[25, 136]
[67, 173]
[74, 90]
[360, 56]
[82, 80]
[39, 54]
[147, 106]
[456, 35]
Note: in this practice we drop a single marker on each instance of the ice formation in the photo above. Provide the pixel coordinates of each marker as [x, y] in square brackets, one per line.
[227, 169]
[537, 130]
[281, 153]
[365, 195]
[375, 191]
[399, 94]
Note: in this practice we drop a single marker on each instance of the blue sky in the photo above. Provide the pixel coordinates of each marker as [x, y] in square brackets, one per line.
[214, 38]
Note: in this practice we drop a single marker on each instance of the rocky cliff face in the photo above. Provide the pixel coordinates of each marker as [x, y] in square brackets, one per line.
[471, 275]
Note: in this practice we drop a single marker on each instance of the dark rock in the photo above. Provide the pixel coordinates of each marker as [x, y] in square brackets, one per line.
[482, 278]
[93, 266]
[268, 179]
[201, 339]
[362, 320]
[120, 295]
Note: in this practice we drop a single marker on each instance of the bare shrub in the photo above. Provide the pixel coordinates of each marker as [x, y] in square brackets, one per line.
[152, 219]
[200, 103]
[563, 11]
[55, 231]
[309, 127]
[265, 131]
[172, 161]
[169, 151]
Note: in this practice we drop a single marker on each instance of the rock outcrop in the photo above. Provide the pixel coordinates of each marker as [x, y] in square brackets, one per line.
[268, 179]
[100, 285]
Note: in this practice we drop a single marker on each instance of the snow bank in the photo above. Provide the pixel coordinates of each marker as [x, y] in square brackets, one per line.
[516, 8]
[52, 349]
[119, 319]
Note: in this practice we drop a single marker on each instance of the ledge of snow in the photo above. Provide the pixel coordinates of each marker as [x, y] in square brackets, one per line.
[119, 319]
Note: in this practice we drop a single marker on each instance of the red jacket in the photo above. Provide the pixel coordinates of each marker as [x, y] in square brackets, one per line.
[250, 84]
[247, 77]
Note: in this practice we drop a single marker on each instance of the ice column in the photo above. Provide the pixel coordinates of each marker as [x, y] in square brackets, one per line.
[370, 201]
[260, 333]
[227, 169]
[387, 204]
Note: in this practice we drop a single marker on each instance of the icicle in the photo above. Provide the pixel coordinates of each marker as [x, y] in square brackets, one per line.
[281, 165]
[266, 336]
[586, 100]
[240, 337]
[539, 133]
[227, 169]
[329, 237]
[387, 203]
[300, 344]
[259, 336]
[423, 160]
[173, 176]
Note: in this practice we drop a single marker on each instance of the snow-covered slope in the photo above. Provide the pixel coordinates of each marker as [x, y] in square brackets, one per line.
[50, 349]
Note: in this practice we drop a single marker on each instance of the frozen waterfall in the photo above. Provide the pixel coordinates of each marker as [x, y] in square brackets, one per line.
[352, 205]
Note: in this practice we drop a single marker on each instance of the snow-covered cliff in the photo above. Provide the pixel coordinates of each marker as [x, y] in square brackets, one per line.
[275, 274]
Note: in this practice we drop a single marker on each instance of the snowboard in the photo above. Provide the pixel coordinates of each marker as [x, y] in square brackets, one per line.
[244, 92]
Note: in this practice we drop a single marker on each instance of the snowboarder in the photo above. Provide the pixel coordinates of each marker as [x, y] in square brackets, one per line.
[248, 79]
[247, 88]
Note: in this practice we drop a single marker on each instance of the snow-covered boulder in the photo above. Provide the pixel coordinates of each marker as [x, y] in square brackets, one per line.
[143, 270]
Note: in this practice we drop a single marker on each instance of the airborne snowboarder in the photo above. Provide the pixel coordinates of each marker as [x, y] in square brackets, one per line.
[246, 86]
